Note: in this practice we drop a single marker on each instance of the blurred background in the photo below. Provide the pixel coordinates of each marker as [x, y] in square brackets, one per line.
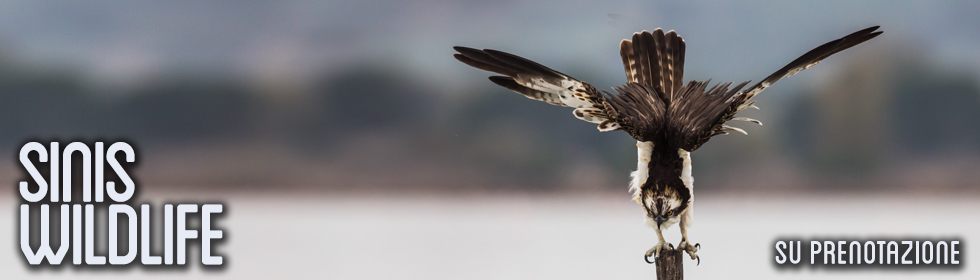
[350, 125]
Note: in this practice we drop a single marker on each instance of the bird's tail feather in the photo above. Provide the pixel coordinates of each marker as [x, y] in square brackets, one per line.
[655, 59]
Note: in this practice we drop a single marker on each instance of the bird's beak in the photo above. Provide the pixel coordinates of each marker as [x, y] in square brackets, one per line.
[659, 220]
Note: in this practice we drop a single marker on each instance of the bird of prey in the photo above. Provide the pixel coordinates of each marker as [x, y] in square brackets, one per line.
[668, 118]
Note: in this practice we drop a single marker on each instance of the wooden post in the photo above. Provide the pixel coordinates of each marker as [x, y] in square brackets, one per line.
[670, 265]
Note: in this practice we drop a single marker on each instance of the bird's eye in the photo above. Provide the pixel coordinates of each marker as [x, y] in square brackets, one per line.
[671, 212]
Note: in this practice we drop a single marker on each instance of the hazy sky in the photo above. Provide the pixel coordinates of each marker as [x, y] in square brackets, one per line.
[118, 40]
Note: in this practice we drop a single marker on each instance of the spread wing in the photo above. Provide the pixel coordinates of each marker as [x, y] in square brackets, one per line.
[697, 113]
[655, 102]
[638, 110]
[813, 57]
[702, 113]
[535, 81]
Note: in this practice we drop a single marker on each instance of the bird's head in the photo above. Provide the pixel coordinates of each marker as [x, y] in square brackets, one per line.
[664, 205]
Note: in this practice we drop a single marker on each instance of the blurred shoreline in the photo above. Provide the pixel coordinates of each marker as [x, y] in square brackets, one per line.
[318, 105]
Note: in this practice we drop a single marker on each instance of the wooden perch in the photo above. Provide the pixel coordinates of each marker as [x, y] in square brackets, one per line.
[670, 265]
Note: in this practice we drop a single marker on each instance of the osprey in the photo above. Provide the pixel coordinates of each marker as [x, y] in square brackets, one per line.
[668, 119]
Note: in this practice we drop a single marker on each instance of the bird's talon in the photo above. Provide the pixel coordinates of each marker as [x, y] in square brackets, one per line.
[699, 260]
[691, 250]
[656, 249]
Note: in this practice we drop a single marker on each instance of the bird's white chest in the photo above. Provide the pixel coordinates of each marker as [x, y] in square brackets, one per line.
[686, 170]
[644, 153]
